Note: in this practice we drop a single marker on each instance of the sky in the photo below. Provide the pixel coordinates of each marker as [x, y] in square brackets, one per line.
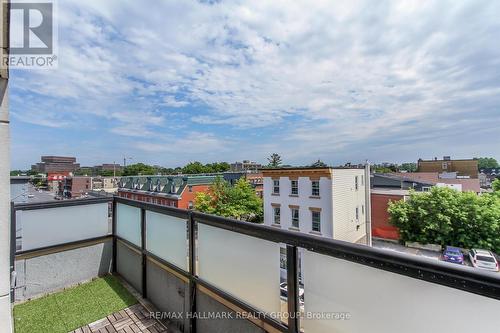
[168, 82]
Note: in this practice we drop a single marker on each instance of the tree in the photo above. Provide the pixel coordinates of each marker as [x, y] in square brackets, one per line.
[274, 160]
[239, 201]
[319, 164]
[487, 162]
[448, 217]
[139, 169]
[410, 167]
[495, 185]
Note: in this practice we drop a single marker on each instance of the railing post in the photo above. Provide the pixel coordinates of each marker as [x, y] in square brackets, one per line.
[190, 323]
[292, 271]
[143, 249]
[113, 233]
[13, 248]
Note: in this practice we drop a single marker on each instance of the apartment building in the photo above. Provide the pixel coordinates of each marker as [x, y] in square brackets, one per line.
[56, 164]
[327, 202]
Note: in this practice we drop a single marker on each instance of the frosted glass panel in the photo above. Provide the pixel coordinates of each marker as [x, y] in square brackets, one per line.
[52, 226]
[128, 223]
[166, 237]
[244, 266]
[380, 301]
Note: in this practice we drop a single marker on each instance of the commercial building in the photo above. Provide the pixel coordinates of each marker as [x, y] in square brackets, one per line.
[463, 167]
[246, 165]
[106, 184]
[176, 191]
[56, 164]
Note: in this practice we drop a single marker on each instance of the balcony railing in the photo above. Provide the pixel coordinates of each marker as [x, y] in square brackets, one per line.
[223, 275]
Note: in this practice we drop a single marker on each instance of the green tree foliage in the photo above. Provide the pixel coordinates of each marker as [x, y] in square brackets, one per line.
[487, 162]
[448, 217]
[410, 167]
[239, 201]
[319, 164]
[495, 185]
[139, 169]
[274, 160]
[198, 167]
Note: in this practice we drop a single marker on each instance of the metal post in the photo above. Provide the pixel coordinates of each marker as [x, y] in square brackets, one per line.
[13, 245]
[292, 272]
[368, 205]
[113, 232]
[143, 248]
[190, 323]
[5, 222]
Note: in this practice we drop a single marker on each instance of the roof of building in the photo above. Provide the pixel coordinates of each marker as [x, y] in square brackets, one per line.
[468, 184]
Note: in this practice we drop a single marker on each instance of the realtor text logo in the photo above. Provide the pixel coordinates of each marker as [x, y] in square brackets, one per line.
[32, 35]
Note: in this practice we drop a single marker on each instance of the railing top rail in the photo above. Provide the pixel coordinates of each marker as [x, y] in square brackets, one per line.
[61, 203]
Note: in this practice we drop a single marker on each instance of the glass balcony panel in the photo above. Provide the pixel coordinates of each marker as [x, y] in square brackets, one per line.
[379, 301]
[166, 237]
[53, 226]
[246, 267]
[128, 223]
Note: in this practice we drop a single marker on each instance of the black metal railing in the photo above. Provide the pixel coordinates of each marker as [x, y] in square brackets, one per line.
[453, 276]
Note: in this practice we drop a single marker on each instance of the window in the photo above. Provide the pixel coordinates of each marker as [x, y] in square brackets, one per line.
[316, 221]
[362, 180]
[356, 185]
[295, 187]
[357, 213]
[295, 217]
[363, 209]
[277, 215]
[315, 188]
[190, 188]
[190, 205]
[276, 186]
[444, 165]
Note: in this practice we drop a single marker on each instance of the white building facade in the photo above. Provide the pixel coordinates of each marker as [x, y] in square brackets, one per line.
[326, 202]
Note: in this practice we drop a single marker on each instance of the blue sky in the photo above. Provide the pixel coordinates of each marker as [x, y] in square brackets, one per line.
[176, 81]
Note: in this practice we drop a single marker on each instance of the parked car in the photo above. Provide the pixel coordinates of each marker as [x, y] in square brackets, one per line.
[483, 259]
[453, 254]
[284, 293]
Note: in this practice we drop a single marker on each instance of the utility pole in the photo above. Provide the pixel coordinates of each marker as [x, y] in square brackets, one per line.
[5, 225]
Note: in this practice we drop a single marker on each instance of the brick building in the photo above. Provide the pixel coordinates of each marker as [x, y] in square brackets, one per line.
[463, 168]
[176, 191]
[75, 187]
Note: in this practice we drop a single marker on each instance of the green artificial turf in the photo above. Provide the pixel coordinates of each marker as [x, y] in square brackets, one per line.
[72, 308]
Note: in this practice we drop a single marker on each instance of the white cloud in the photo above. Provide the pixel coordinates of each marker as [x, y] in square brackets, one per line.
[334, 75]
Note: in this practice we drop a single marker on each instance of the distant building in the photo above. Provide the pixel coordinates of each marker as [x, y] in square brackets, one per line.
[386, 188]
[176, 191]
[75, 187]
[463, 168]
[106, 184]
[246, 165]
[56, 164]
[487, 176]
[448, 179]
[107, 167]
[257, 181]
